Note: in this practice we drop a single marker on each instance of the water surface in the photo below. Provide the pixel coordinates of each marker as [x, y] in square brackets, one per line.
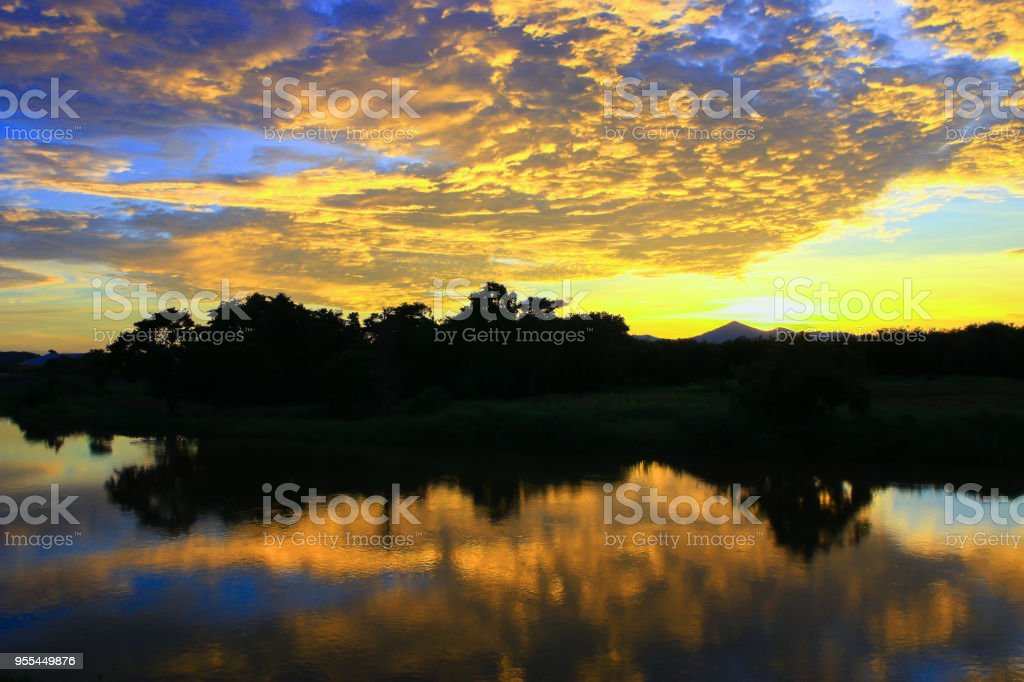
[514, 580]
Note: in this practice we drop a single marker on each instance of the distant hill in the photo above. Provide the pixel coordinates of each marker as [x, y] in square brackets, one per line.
[40, 360]
[735, 330]
[9, 359]
[727, 332]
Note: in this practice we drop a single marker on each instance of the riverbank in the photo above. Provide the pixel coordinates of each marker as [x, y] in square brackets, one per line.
[947, 422]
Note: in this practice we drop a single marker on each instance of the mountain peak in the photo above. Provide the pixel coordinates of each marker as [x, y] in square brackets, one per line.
[732, 331]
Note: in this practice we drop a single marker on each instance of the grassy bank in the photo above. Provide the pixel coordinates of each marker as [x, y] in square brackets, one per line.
[644, 417]
[947, 422]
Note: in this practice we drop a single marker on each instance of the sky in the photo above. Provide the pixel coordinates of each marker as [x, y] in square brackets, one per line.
[182, 163]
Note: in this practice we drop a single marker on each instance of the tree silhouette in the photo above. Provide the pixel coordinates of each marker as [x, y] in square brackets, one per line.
[155, 352]
[271, 350]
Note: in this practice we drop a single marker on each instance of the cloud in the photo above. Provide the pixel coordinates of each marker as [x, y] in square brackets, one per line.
[511, 154]
[11, 277]
[990, 29]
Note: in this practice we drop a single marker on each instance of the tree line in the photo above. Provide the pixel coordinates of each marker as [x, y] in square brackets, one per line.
[281, 352]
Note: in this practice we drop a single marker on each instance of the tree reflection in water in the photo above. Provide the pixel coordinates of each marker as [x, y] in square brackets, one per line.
[805, 513]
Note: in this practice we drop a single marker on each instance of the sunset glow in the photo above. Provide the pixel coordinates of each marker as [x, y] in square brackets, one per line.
[852, 173]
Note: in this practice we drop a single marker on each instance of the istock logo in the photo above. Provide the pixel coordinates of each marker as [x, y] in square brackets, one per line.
[135, 298]
[353, 509]
[340, 104]
[453, 299]
[994, 508]
[801, 298]
[681, 104]
[32, 510]
[971, 98]
[716, 510]
[24, 103]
